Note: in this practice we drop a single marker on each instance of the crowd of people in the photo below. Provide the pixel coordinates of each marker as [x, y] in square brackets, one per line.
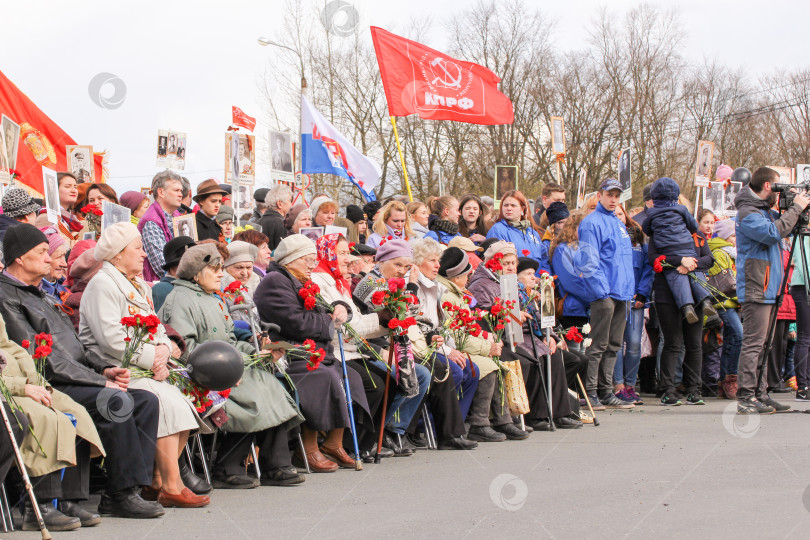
[646, 300]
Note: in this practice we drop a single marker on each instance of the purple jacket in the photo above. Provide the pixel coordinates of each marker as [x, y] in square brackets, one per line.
[155, 213]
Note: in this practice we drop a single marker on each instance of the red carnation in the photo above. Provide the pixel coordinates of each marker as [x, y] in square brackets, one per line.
[378, 298]
[393, 324]
[657, 265]
[26, 343]
[525, 252]
[310, 302]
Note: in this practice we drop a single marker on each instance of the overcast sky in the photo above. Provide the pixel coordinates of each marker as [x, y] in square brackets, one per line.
[186, 63]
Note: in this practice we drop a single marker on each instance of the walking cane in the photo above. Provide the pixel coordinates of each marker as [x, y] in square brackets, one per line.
[377, 456]
[27, 481]
[587, 400]
[358, 463]
[548, 384]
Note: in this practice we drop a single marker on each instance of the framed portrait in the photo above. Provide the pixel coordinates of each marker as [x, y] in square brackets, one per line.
[506, 177]
[802, 173]
[624, 167]
[80, 162]
[785, 174]
[509, 292]
[332, 229]
[557, 135]
[114, 213]
[714, 198]
[51, 187]
[5, 176]
[185, 226]
[281, 157]
[89, 235]
[147, 191]
[547, 311]
[240, 158]
[583, 175]
[703, 163]
[11, 136]
[313, 233]
[730, 192]
[171, 149]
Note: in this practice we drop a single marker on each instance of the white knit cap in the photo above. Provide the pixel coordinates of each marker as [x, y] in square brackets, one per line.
[114, 239]
[293, 247]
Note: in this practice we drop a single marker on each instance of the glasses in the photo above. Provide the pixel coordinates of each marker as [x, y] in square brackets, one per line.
[311, 263]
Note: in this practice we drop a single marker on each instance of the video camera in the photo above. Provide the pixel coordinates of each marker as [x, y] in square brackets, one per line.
[788, 192]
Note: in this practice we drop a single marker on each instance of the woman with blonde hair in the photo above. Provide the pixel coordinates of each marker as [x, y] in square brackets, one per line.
[420, 218]
[393, 223]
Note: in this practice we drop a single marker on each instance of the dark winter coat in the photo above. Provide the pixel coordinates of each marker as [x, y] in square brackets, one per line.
[272, 224]
[207, 228]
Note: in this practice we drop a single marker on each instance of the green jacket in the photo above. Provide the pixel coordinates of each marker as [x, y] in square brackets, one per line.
[723, 261]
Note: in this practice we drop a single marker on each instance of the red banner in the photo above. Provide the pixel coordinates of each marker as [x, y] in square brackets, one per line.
[418, 79]
[241, 119]
[40, 142]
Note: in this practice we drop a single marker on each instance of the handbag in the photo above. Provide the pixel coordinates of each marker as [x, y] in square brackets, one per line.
[515, 389]
[724, 281]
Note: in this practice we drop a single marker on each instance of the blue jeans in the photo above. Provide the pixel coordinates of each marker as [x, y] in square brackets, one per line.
[684, 289]
[402, 409]
[732, 341]
[628, 359]
[466, 382]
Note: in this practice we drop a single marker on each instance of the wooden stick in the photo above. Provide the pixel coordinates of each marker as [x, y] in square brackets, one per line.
[27, 481]
[378, 456]
[587, 400]
[402, 159]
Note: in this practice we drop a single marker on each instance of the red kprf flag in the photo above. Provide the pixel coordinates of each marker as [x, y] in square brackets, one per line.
[241, 119]
[418, 79]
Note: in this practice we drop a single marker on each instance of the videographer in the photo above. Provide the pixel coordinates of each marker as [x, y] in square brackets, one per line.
[759, 277]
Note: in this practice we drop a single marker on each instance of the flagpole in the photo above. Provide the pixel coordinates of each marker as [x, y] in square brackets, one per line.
[401, 158]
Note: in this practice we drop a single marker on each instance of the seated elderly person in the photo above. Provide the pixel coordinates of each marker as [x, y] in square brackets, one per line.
[454, 271]
[263, 256]
[54, 282]
[83, 375]
[442, 393]
[172, 252]
[533, 352]
[426, 255]
[81, 271]
[115, 292]
[239, 267]
[258, 408]
[225, 220]
[56, 454]
[320, 391]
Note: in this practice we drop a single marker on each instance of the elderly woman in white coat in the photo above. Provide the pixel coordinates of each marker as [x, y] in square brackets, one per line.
[116, 292]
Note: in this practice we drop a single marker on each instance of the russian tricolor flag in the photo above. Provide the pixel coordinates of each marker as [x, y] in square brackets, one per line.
[325, 150]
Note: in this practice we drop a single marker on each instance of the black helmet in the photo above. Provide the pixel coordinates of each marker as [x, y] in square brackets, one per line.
[215, 365]
[741, 174]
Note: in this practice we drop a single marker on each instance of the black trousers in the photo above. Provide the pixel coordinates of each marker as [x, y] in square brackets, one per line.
[776, 362]
[73, 486]
[374, 386]
[534, 376]
[127, 424]
[273, 448]
[443, 402]
[7, 457]
[575, 362]
[678, 335]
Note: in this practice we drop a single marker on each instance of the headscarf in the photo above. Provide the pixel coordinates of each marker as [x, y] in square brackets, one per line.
[327, 260]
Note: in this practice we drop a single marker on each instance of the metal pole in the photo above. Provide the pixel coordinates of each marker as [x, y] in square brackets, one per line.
[358, 462]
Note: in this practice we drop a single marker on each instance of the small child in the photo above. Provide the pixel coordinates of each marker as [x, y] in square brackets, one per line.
[672, 226]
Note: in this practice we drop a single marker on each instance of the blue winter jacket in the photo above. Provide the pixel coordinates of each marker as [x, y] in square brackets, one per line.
[569, 266]
[759, 253]
[643, 272]
[441, 236]
[528, 240]
[604, 238]
[672, 227]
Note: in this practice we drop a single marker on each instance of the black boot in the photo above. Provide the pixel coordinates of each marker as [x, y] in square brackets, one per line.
[128, 503]
[74, 509]
[53, 518]
[197, 485]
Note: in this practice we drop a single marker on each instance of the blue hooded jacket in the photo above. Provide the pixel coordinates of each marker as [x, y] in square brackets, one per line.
[568, 265]
[441, 236]
[605, 240]
[759, 251]
[643, 272]
[670, 222]
[528, 240]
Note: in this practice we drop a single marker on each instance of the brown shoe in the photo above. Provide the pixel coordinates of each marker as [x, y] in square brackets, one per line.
[185, 499]
[730, 386]
[318, 463]
[148, 493]
[339, 456]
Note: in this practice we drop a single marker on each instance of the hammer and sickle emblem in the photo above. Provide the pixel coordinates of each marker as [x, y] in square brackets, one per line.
[451, 76]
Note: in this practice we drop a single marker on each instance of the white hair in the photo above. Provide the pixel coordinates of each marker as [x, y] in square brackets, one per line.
[424, 248]
[279, 192]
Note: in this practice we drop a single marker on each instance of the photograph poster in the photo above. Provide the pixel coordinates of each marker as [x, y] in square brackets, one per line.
[557, 135]
[505, 180]
[625, 159]
[114, 213]
[51, 187]
[171, 151]
[281, 158]
[80, 162]
[240, 157]
[11, 136]
[703, 164]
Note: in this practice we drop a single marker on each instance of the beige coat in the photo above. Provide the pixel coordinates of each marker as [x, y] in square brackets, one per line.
[108, 298]
[477, 347]
[52, 427]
